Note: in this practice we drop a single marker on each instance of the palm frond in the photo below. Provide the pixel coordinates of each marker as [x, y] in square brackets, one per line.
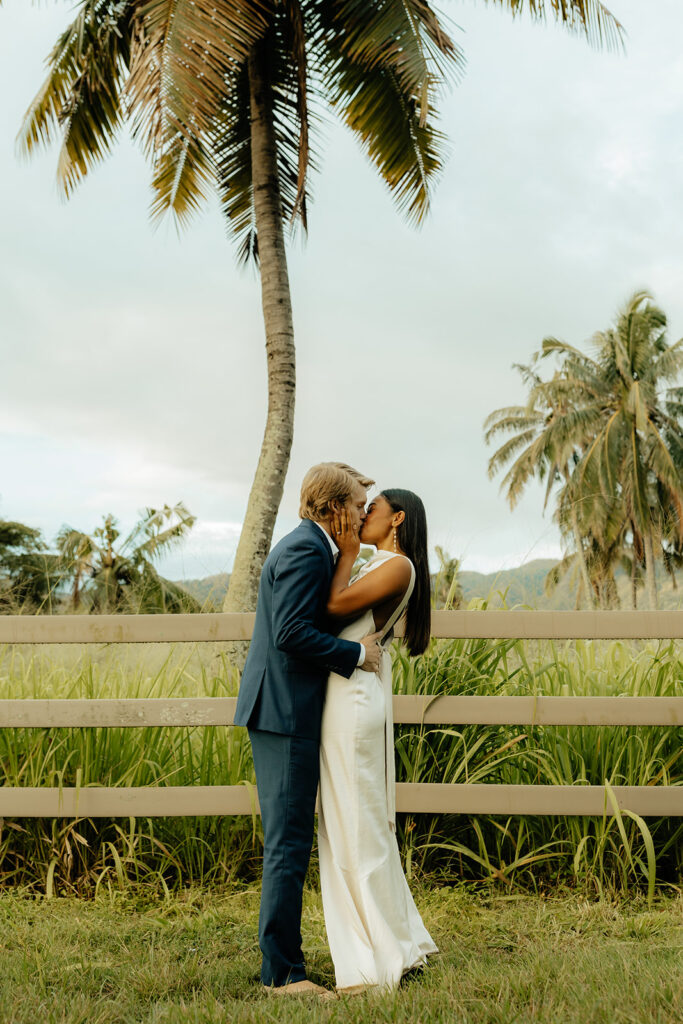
[285, 68]
[555, 574]
[232, 158]
[403, 36]
[669, 364]
[158, 531]
[80, 100]
[507, 450]
[589, 18]
[552, 345]
[510, 419]
[407, 155]
[296, 47]
[532, 461]
[661, 462]
[378, 71]
[184, 177]
[183, 59]
[181, 55]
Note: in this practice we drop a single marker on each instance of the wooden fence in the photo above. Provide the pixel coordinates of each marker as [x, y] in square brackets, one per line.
[97, 801]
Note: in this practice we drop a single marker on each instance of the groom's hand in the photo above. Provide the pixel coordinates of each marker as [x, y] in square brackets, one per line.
[373, 652]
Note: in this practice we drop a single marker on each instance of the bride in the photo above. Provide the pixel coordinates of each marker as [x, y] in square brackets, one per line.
[374, 929]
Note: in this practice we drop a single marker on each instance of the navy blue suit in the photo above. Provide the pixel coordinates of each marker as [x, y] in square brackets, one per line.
[281, 701]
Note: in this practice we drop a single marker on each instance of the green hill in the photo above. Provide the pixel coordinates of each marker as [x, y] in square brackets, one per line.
[521, 585]
[209, 591]
[525, 583]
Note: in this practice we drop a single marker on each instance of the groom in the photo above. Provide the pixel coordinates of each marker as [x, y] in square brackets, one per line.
[281, 701]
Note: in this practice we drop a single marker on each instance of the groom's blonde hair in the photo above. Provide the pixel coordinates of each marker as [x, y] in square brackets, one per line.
[328, 482]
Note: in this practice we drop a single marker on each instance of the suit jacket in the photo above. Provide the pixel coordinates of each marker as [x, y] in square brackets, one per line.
[284, 679]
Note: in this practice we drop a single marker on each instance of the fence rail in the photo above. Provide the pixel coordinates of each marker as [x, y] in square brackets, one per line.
[580, 799]
[130, 712]
[223, 626]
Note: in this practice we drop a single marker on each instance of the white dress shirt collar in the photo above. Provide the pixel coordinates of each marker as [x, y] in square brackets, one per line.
[333, 547]
[335, 555]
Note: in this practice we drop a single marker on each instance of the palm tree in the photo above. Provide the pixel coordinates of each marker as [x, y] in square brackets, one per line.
[219, 93]
[78, 552]
[110, 577]
[547, 436]
[630, 454]
[672, 542]
[602, 527]
[29, 573]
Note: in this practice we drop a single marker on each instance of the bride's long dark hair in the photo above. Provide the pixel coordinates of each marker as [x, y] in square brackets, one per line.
[411, 534]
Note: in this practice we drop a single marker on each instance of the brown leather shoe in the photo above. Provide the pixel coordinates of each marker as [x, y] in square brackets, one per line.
[301, 988]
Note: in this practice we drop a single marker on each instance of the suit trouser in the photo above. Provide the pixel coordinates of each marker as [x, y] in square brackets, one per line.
[287, 771]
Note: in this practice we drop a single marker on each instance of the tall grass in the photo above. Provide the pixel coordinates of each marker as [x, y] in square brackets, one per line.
[82, 855]
[616, 852]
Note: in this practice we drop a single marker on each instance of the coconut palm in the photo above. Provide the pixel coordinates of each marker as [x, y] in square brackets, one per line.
[78, 552]
[220, 94]
[548, 433]
[603, 528]
[110, 577]
[631, 454]
[672, 543]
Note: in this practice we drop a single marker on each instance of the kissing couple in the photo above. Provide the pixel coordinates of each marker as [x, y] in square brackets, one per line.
[316, 697]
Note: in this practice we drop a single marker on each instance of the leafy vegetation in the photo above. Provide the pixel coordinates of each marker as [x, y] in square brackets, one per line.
[123, 578]
[29, 573]
[609, 429]
[94, 572]
[595, 855]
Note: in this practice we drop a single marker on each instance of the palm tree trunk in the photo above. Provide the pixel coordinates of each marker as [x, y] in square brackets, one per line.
[266, 490]
[580, 554]
[634, 588]
[650, 569]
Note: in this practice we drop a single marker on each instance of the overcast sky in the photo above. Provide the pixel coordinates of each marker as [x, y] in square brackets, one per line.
[133, 365]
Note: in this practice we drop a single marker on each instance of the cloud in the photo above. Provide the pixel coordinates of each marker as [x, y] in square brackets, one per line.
[134, 369]
[209, 549]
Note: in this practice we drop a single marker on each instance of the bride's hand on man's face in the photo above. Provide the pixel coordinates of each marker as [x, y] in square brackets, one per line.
[345, 536]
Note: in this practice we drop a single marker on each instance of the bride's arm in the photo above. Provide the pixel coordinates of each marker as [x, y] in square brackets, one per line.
[349, 599]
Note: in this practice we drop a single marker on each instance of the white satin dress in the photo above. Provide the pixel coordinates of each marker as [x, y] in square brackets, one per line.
[374, 930]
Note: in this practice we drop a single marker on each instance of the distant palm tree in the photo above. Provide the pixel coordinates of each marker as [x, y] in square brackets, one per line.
[630, 453]
[672, 542]
[220, 92]
[603, 527]
[29, 573]
[109, 577]
[548, 433]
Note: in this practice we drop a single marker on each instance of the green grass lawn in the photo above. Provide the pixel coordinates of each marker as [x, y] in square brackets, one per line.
[518, 958]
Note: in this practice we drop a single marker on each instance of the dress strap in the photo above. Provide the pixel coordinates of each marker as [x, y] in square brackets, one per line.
[398, 612]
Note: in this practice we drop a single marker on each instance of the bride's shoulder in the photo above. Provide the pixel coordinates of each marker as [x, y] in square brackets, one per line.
[398, 557]
[392, 561]
[407, 567]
